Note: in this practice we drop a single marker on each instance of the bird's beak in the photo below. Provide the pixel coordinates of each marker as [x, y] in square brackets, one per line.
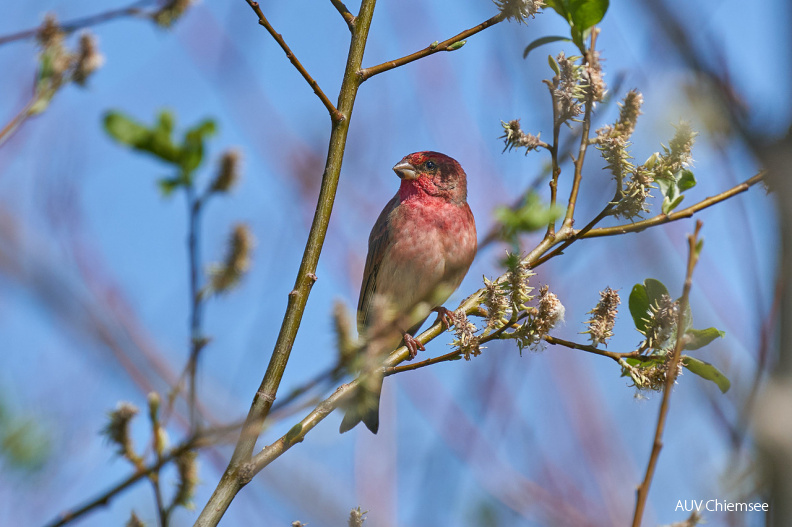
[405, 170]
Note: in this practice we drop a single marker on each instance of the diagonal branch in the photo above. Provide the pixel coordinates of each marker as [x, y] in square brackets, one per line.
[335, 115]
[674, 216]
[445, 45]
[657, 445]
[135, 9]
[348, 16]
[589, 232]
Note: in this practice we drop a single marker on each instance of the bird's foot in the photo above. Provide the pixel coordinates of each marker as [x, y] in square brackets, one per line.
[413, 345]
[446, 316]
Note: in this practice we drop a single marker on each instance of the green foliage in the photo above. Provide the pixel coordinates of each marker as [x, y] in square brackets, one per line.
[581, 15]
[542, 41]
[157, 140]
[531, 216]
[698, 338]
[673, 187]
[705, 370]
[24, 444]
[642, 297]
[643, 303]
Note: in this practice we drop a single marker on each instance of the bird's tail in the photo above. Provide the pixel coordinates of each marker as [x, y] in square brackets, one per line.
[364, 405]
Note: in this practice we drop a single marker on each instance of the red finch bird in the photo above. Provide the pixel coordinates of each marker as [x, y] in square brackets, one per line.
[419, 251]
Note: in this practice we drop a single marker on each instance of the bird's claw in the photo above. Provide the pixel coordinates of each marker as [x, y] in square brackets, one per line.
[413, 345]
[446, 316]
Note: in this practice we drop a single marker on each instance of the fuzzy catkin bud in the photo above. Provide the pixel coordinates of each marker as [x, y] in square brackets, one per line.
[356, 517]
[466, 340]
[187, 468]
[226, 276]
[496, 302]
[228, 173]
[171, 12]
[50, 32]
[629, 110]
[593, 74]
[550, 311]
[134, 521]
[661, 322]
[88, 59]
[342, 323]
[518, 284]
[117, 429]
[514, 137]
[603, 317]
[519, 10]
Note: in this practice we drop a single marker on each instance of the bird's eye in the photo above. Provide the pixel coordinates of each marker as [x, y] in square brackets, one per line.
[430, 165]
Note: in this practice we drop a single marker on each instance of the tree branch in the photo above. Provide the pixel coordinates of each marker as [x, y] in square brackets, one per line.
[674, 216]
[104, 498]
[349, 18]
[69, 27]
[233, 480]
[335, 115]
[367, 73]
[657, 445]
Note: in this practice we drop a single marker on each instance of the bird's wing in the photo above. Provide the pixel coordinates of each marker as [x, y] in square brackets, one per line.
[378, 243]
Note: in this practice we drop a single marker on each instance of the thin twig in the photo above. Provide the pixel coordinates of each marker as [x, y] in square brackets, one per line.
[674, 216]
[92, 20]
[367, 73]
[569, 220]
[556, 167]
[589, 232]
[335, 115]
[671, 373]
[197, 339]
[349, 18]
[13, 125]
[196, 441]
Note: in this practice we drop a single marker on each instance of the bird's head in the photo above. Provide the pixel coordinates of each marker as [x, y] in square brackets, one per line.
[434, 174]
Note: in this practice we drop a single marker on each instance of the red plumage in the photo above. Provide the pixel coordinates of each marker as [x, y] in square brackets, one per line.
[420, 249]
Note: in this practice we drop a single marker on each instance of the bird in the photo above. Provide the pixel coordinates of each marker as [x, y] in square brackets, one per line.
[419, 250]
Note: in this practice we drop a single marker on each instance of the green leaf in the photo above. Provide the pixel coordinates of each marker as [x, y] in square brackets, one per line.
[193, 148]
[456, 45]
[639, 306]
[532, 215]
[670, 204]
[655, 290]
[125, 130]
[168, 184]
[641, 297]
[155, 141]
[705, 370]
[553, 65]
[560, 7]
[587, 13]
[667, 187]
[686, 181]
[542, 41]
[698, 338]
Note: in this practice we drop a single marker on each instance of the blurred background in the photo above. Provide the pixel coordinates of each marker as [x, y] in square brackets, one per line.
[94, 280]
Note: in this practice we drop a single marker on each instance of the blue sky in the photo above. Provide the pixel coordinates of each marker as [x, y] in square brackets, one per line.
[98, 246]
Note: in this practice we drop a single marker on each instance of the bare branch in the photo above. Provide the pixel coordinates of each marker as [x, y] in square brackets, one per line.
[134, 9]
[367, 73]
[348, 16]
[674, 216]
[657, 445]
[335, 115]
